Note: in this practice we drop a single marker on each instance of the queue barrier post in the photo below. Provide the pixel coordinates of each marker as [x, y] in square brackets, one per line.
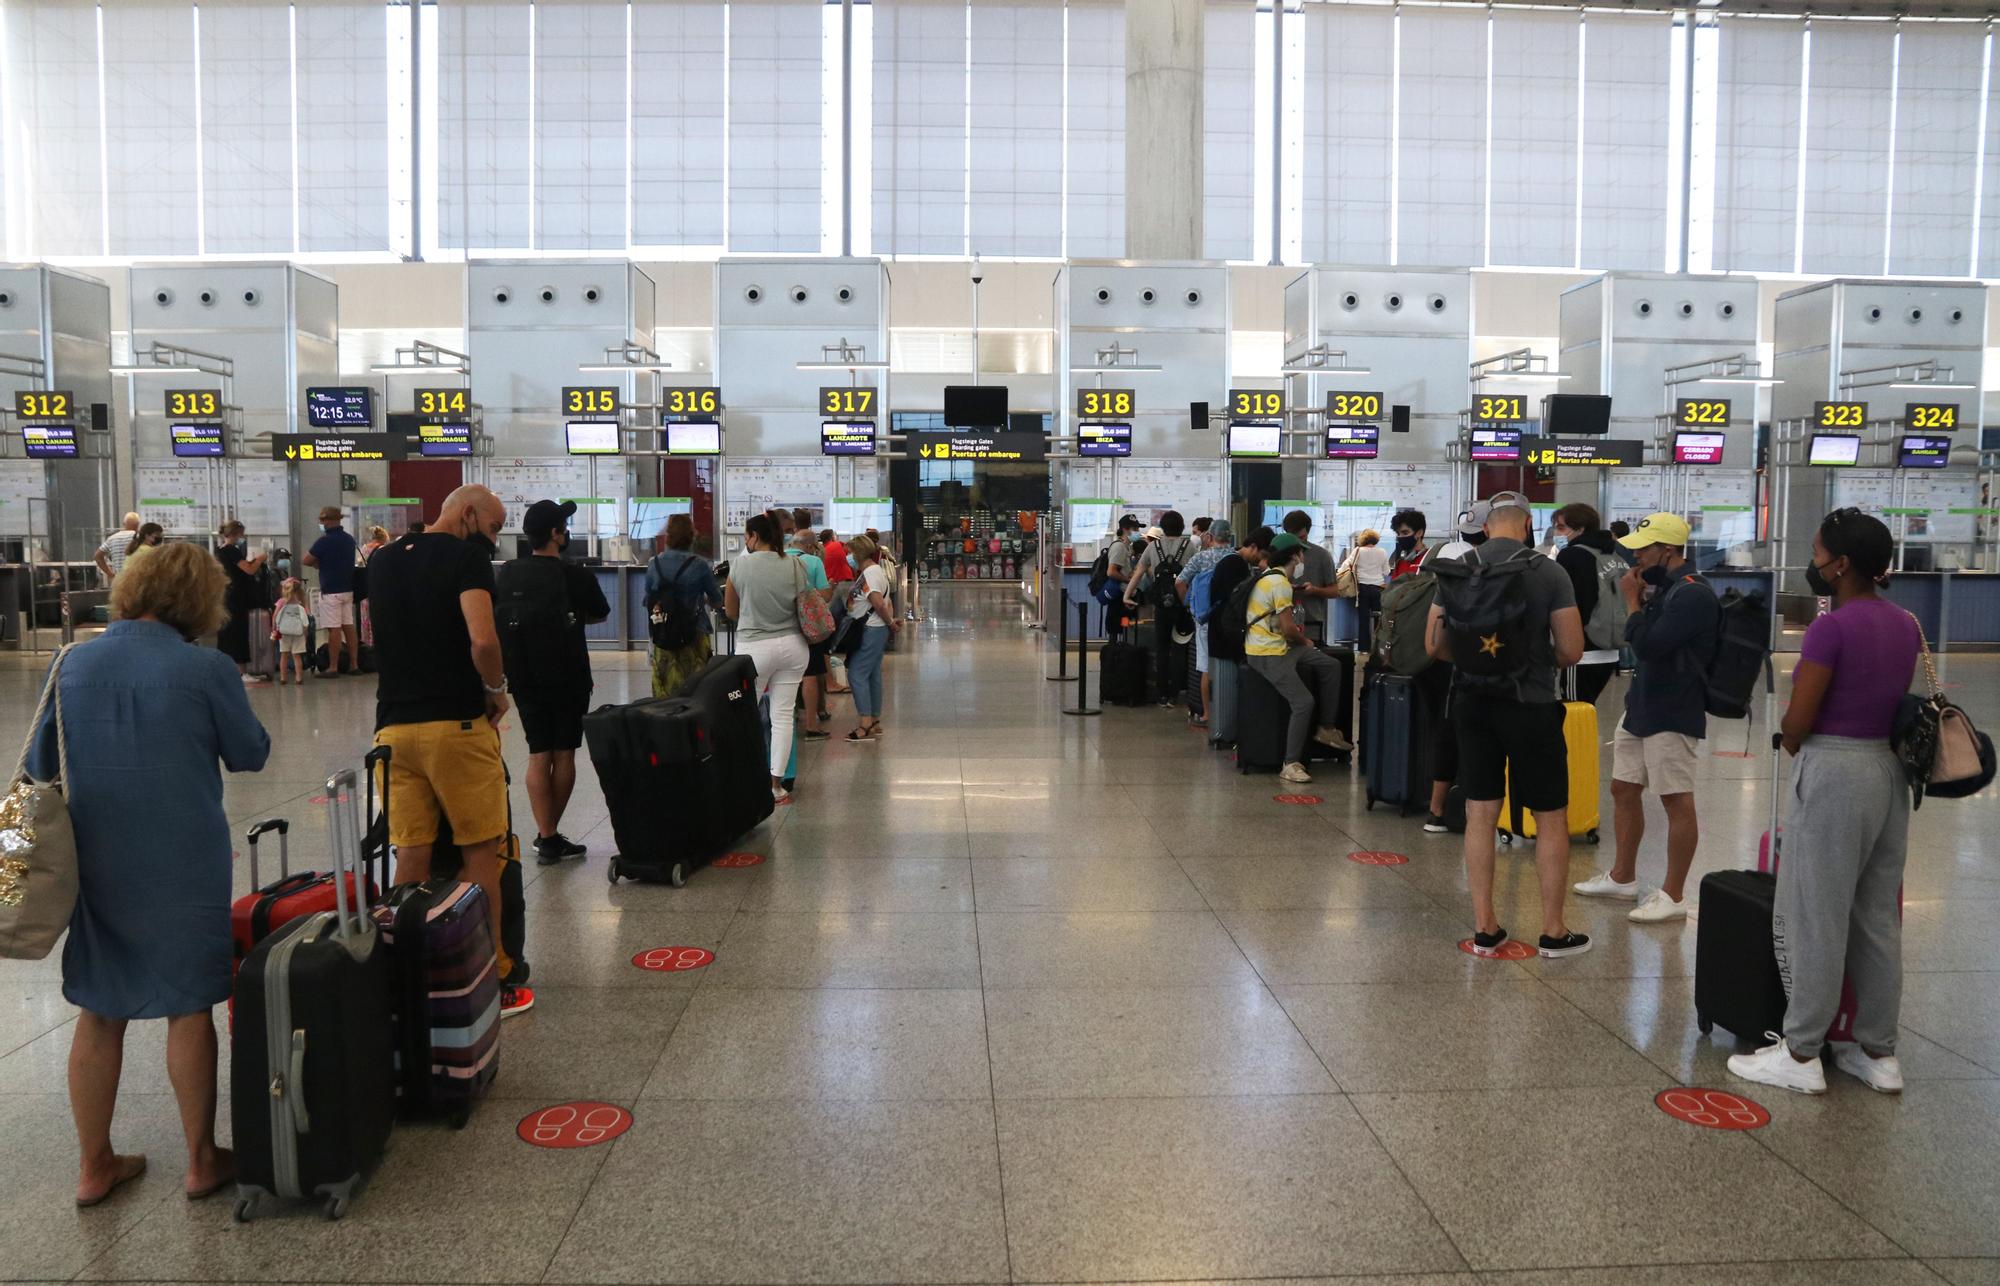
[1082, 706]
[1062, 641]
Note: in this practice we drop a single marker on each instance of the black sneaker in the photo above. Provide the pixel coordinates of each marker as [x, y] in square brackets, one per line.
[1569, 944]
[1488, 944]
[1434, 825]
[550, 849]
[815, 734]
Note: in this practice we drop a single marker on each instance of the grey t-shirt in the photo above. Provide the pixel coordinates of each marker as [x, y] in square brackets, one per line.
[1549, 590]
[1120, 556]
[767, 592]
[1318, 572]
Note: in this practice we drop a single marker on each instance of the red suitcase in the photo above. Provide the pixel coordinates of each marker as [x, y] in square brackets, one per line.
[269, 907]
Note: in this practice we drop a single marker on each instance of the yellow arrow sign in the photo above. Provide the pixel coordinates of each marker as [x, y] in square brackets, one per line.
[291, 453]
[924, 451]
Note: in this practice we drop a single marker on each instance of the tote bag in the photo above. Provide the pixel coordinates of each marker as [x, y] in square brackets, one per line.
[37, 844]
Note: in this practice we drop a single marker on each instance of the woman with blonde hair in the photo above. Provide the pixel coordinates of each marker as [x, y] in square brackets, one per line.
[869, 610]
[1371, 572]
[146, 720]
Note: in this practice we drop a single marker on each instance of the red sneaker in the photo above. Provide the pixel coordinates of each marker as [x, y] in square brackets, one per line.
[516, 1000]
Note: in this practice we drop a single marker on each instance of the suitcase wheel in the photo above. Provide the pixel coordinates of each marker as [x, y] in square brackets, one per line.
[678, 876]
[458, 1121]
[1704, 1023]
[246, 1209]
[1590, 836]
[335, 1208]
[1506, 836]
[611, 870]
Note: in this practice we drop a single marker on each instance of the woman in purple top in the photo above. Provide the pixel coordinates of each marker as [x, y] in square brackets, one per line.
[1838, 900]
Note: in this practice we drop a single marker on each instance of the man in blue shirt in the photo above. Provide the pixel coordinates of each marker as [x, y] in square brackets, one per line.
[333, 555]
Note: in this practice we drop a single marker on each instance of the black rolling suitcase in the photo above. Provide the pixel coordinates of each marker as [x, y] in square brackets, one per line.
[312, 1083]
[1123, 671]
[725, 691]
[1736, 980]
[1395, 741]
[1262, 717]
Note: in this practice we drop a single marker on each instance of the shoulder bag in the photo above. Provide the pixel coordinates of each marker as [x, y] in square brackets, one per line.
[1347, 578]
[815, 621]
[37, 844]
[1941, 751]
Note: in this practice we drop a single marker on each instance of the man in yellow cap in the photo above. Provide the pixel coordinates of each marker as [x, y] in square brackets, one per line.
[1671, 619]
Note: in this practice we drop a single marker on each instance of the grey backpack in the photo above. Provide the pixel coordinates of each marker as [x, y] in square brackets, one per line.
[1606, 626]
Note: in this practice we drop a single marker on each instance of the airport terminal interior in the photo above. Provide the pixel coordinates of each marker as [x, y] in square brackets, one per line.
[1075, 970]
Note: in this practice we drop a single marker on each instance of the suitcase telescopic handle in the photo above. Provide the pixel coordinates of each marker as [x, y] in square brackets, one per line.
[250, 837]
[376, 765]
[346, 835]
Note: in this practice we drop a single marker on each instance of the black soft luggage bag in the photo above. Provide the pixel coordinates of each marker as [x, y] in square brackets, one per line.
[1262, 718]
[1395, 741]
[1736, 981]
[312, 1083]
[1123, 671]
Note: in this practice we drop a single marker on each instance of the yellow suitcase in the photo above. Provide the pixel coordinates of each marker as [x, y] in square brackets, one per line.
[1580, 737]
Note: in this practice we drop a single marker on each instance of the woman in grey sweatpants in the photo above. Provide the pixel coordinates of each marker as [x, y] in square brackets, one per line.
[1848, 819]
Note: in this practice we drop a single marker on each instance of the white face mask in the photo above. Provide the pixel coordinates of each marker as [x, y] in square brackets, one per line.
[1296, 572]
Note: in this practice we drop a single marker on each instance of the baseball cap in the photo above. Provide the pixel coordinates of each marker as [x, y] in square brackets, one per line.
[1473, 521]
[1285, 542]
[1221, 532]
[1154, 533]
[1508, 500]
[1657, 529]
[544, 516]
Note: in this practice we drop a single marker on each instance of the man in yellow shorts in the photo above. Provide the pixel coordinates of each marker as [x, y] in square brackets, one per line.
[439, 698]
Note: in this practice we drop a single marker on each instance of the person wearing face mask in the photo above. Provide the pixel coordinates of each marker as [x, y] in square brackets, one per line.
[1278, 647]
[542, 603]
[441, 691]
[1671, 618]
[1595, 563]
[333, 555]
[1847, 834]
[1409, 527]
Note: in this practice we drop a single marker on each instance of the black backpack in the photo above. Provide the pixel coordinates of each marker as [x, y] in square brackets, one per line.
[1167, 574]
[1486, 619]
[672, 621]
[539, 644]
[1742, 650]
[1100, 572]
[1230, 626]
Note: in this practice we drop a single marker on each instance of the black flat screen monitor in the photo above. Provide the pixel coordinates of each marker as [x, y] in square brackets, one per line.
[975, 406]
[847, 437]
[1698, 448]
[49, 441]
[694, 437]
[1252, 439]
[1496, 446]
[1580, 414]
[444, 440]
[1098, 438]
[591, 437]
[1833, 450]
[1352, 441]
[1923, 451]
[196, 440]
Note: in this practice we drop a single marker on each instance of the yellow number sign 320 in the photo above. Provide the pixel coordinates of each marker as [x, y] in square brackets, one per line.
[1354, 406]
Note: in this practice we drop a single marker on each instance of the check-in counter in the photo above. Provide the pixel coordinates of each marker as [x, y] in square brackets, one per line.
[1955, 608]
[1076, 583]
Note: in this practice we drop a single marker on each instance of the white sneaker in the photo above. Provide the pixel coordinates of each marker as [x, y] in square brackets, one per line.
[1334, 738]
[1658, 908]
[1883, 1075]
[1603, 886]
[1295, 772]
[1774, 1065]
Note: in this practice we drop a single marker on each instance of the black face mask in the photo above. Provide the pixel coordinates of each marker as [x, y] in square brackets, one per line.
[483, 540]
[1817, 582]
[1404, 544]
[1476, 539]
[1656, 575]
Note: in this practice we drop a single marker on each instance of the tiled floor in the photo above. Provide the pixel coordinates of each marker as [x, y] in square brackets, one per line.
[1018, 996]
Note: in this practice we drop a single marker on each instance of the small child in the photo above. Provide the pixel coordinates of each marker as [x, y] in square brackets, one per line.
[290, 623]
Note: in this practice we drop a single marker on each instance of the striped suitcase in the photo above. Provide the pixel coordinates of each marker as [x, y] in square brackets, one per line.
[447, 987]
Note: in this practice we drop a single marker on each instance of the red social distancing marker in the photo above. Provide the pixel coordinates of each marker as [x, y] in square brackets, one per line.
[1511, 949]
[672, 959]
[1378, 859]
[1733, 754]
[574, 1125]
[1298, 799]
[739, 859]
[1712, 1109]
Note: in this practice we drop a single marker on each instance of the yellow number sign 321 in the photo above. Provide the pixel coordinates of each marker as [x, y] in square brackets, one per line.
[1506, 408]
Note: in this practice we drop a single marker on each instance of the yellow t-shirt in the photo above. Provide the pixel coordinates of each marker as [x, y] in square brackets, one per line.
[1271, 596]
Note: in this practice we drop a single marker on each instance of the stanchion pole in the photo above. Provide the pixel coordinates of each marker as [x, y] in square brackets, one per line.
[1082, 706]
[1062, 641]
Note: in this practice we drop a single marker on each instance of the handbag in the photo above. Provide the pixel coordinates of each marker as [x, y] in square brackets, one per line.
[815, 621]
[38, 879]
[1941, 750]
[1347, 580]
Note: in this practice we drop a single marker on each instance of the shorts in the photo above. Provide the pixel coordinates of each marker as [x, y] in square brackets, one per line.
[816, 658]
[336, 611]
[1517, 743]
[551, 720]
[448, 766]
[1664, 762]
[1200, 649]
[292, 644]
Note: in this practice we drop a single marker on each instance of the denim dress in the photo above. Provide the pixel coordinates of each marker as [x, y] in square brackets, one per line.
[148, 717]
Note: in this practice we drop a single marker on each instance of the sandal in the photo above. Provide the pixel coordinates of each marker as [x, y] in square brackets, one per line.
[860, 734]
[134, 1167]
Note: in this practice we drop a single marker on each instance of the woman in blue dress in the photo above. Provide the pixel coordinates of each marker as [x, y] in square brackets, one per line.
[147, 716]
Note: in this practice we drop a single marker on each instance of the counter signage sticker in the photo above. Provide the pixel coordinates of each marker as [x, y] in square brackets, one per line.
[1615, 453]
[44, 406]
[981, 446]
[1701, 412]
[338, 446]
[340, 408]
